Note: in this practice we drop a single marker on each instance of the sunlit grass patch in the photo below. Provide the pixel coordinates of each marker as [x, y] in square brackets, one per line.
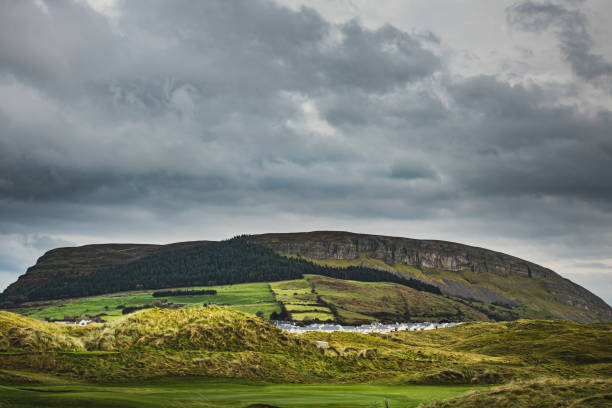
[110, 306]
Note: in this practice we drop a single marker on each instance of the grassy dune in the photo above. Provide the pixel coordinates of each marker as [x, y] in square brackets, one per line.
[219, 342]
[547, 393]
[562, 347]
[218, 357]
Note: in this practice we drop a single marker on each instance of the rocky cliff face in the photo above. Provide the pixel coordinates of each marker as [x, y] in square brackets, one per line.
[423, 254]
[498, 277]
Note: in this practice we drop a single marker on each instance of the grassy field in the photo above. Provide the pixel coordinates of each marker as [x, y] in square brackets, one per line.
[351, 302]
[314, 297]
[362, 302]
[300, 300]
[247, 297]
[190, 392]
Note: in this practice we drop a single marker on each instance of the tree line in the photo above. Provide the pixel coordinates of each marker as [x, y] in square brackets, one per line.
[165, 293]
[220, 263]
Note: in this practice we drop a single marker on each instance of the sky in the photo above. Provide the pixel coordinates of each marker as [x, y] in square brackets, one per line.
[482, 122]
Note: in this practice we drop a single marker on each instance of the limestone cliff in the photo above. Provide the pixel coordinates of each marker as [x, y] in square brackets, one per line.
[457, 269]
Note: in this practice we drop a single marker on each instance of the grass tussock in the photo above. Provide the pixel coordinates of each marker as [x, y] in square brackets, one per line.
[219, 342]
[543, 393]
[23, 333]
[209, 328]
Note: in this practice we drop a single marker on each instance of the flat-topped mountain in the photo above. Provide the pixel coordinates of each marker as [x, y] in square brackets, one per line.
[458, 270]
[484, 282]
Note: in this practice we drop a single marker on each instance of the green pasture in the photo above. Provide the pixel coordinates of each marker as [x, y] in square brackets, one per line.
[300, 300]
[197, 392]
[246, 297]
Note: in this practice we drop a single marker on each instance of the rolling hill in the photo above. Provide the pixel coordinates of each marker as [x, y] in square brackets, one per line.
[340, 276]
[216, 341]
[213, 356]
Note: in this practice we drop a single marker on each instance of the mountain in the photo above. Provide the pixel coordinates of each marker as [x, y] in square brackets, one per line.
[458, 270]
[484, 281]
[83, 260]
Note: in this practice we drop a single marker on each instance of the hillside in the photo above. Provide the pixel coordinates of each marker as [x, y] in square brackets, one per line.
[215, 341]
[212, 356]
[458, 270]
[83, 260]
[313, 298]
[475, 283]
[226, 262]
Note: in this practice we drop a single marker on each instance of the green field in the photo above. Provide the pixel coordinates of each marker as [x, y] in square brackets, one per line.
[313, 298]
[191, 392]
[246, 297]
[301, 301]
[364, 302]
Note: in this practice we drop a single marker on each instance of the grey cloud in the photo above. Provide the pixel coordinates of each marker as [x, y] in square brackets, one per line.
[593, 265]
[539, 150]
[410, 170]
[572, 28]
[54, 45]
[224, 117]
[270, 47]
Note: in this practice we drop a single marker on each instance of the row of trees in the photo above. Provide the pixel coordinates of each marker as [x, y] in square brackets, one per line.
[166, 293]
[220, 263]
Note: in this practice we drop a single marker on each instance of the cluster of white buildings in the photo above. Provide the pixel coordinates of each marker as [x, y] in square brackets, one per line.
[79, 323]
[364, 328]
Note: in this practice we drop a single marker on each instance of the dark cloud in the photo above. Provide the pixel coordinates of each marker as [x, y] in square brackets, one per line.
[190, 120]
[572, 29]
[409, 170]
[539, 150]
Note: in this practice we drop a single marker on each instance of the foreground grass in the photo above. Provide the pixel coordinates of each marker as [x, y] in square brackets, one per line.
[190, 392]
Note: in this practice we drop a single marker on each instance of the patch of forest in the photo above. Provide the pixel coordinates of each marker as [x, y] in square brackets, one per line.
[221, 263]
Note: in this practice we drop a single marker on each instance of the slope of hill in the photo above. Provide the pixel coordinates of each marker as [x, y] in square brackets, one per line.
[360, 302]
[225, 262]
[458, 270]
[83, 260]
[215, 341]
[497, 285]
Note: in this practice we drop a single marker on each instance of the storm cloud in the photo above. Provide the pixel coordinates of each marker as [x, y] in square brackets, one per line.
[153, 121]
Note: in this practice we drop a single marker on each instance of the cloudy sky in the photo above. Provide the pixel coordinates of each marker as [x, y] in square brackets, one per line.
[483, 122]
